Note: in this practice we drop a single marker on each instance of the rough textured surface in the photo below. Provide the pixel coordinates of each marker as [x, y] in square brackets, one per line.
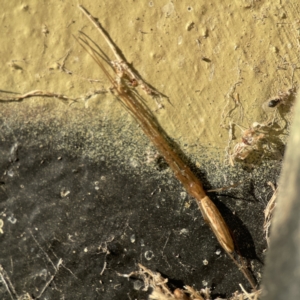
[114, 210]
[81, 182]
[251, 46]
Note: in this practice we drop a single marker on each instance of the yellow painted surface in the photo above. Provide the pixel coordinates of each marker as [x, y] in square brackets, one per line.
[201, 54]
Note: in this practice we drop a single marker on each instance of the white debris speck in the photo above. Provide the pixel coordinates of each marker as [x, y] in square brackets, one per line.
[12, 219]
[64, 192]
[183, 195]
[184, 231]
[134, 163]
[1, 225]
[149, 255]
[10, 173]
[218, 251]
[132, 238]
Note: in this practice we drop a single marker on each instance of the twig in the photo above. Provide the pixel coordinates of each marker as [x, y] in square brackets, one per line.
[9, 286]
[56, 267]
[104, 267]
[50, 280]
[36, 93]
[269, 211]
[40, 93]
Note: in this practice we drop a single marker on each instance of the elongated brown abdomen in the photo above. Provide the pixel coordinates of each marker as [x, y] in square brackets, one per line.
[216, 222]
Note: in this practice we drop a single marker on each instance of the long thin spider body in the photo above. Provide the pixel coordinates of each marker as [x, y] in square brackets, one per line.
[151, 128]
[182, 172]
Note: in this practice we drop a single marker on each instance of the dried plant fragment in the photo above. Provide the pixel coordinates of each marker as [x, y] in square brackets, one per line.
[160, 289]
[40, 93]
[250, 141]
[269, 212]
[244, 295]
